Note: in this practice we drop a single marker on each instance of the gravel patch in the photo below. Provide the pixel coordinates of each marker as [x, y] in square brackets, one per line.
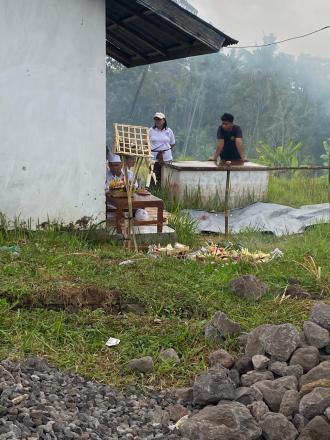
[41, 402]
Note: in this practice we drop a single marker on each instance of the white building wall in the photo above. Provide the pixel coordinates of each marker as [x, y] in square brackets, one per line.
[52, 109]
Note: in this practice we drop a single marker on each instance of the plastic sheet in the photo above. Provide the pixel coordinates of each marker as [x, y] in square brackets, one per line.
[265, 217]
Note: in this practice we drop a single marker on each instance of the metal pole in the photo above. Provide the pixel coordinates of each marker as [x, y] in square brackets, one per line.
[227, 205]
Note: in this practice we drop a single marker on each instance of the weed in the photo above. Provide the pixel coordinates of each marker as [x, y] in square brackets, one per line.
[185, 227]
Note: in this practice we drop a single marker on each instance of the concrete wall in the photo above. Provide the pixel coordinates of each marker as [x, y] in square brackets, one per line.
[52, 109]
[246, 186]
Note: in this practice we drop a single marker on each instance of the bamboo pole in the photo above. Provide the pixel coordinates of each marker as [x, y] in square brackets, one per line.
[223, 167]
[329, 183]
[227, 204]
[130, 207]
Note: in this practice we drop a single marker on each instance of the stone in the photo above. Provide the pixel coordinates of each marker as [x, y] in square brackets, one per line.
[303, 341]
[258, 410]
[299, 422]
[254, 344]
[248, 287]
[141, 365]
[309, 387]
[242, 339]
[212, 386]
[260, 362]
[327, 349]
[327, 413]
[278, 368]
[243, 364]
[316, 429]
[252, 377]
[307, 357]
[235, 377]
[212, 334]
[280, 341]
[224, 325]
[274, 390]
[315, 403]
[294, 370]
[176, 412]
[35, 364]
[169, 355]
[282, 369]
[297, 292]
[184, 395]
[160, 417]
[230, 421]
[277, 427]
[315, 335]
[320, 314]
[221, 357]
[247, 395]
[322, 371]
[290, 403]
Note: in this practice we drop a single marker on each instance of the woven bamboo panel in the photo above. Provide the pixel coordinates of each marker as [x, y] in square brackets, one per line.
[131, 140]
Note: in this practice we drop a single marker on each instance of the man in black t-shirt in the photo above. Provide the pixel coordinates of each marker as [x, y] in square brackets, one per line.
[230, 140]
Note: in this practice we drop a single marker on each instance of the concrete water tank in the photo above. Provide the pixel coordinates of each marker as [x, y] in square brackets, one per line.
[205, 182]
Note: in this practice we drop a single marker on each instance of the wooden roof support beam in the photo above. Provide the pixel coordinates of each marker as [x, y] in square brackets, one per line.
[138, 35]
[142, 18]
[117, 40]
[113, 51]
[130, 18]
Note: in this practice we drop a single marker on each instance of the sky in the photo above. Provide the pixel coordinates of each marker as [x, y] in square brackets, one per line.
[249, 20]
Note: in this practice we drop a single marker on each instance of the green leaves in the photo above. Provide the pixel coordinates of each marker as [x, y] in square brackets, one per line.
[325, 157]
[286, 156]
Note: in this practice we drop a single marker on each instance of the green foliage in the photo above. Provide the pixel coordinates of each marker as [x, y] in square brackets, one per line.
[286, 156]
[325, 157]
[185, 228]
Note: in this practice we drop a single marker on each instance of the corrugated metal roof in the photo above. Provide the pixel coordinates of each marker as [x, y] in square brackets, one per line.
[143, 32]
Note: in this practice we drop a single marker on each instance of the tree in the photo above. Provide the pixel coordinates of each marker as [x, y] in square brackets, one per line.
[274, 97]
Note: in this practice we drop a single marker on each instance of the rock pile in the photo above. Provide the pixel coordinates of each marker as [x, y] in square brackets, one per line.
[279, 390]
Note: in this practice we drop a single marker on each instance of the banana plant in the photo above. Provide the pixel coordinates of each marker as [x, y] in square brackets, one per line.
[283, 155]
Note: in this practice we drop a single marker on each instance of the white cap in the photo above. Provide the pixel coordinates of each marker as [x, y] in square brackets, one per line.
[159, 115]
[114, 158]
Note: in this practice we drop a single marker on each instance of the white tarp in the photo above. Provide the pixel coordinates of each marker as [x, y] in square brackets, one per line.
[265, 217]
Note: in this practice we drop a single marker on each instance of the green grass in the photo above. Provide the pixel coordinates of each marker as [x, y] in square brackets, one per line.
[179, 297]
[298, 190]
[185, 227]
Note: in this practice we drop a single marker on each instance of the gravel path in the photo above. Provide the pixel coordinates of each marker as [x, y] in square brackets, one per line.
[41, 402]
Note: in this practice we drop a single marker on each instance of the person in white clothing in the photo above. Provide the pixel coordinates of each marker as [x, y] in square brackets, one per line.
[115, 171]
[162, 142]
[162, 139]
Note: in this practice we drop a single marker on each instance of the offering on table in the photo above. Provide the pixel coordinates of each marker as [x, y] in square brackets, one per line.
[116, 183]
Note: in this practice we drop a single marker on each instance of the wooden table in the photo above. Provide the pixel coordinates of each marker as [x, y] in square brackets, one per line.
[138, 202]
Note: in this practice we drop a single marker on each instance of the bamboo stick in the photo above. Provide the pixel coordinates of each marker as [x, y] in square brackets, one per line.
[227, 204]
[130, 206]
[329, 183]
[243, 168]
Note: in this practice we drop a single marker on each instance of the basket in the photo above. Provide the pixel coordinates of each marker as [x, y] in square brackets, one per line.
[131, 140]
